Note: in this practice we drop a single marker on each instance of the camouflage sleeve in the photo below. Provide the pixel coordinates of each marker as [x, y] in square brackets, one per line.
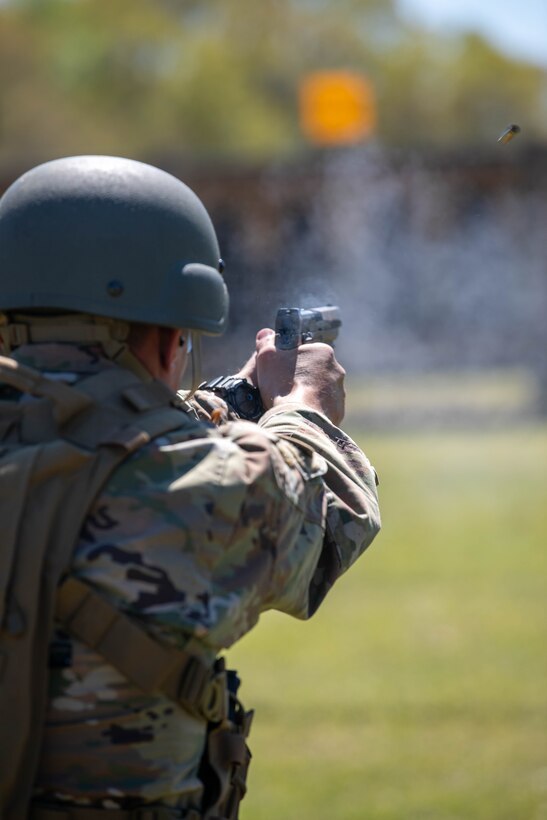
[201, 530]
[351, 513]
[351, 517]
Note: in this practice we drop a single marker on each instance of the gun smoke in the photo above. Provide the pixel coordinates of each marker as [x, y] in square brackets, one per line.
[434, 268]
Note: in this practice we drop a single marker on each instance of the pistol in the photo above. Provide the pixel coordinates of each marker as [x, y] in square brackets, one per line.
[299, 326]
[293, 327]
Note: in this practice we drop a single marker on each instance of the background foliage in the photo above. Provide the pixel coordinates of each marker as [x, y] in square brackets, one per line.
[150, 77]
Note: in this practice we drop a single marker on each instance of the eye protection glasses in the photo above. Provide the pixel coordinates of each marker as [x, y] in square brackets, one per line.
[186, 340]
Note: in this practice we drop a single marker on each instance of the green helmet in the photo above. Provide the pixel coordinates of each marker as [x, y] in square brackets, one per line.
[111, 237]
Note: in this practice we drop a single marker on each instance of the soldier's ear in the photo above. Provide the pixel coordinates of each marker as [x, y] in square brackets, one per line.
[169, 345]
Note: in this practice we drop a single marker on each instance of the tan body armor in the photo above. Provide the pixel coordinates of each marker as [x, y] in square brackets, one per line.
[56, 453]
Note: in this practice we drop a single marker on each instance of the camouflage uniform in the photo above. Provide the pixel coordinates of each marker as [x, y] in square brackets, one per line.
[194, 536]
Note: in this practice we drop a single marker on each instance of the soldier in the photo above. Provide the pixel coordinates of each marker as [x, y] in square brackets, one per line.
[110, 274]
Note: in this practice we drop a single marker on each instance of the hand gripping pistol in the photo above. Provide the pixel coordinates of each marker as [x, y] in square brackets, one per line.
[293, 327]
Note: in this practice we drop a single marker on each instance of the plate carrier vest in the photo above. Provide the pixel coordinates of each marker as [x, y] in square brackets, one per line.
[57, 451]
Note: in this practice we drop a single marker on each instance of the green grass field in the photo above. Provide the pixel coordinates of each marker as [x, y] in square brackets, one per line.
[419, 690]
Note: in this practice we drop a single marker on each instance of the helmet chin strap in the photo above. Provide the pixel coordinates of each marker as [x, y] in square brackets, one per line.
[195, 354]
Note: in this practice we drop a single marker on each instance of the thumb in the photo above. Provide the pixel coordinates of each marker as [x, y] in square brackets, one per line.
[265, 338]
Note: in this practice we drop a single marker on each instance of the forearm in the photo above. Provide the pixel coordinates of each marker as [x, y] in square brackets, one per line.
[352, 516]
[310, 429]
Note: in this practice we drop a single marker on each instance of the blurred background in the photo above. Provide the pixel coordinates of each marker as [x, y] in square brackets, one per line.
[349, 153]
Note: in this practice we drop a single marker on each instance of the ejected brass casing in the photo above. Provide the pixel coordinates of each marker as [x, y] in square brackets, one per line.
[508, 134]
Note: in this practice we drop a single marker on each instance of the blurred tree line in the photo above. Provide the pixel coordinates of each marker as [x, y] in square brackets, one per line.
[149, 77]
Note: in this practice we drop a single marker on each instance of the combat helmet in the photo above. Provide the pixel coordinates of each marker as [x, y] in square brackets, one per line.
[111, 237]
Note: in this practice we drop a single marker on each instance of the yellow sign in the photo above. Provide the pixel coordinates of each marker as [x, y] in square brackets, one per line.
[337, 107]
